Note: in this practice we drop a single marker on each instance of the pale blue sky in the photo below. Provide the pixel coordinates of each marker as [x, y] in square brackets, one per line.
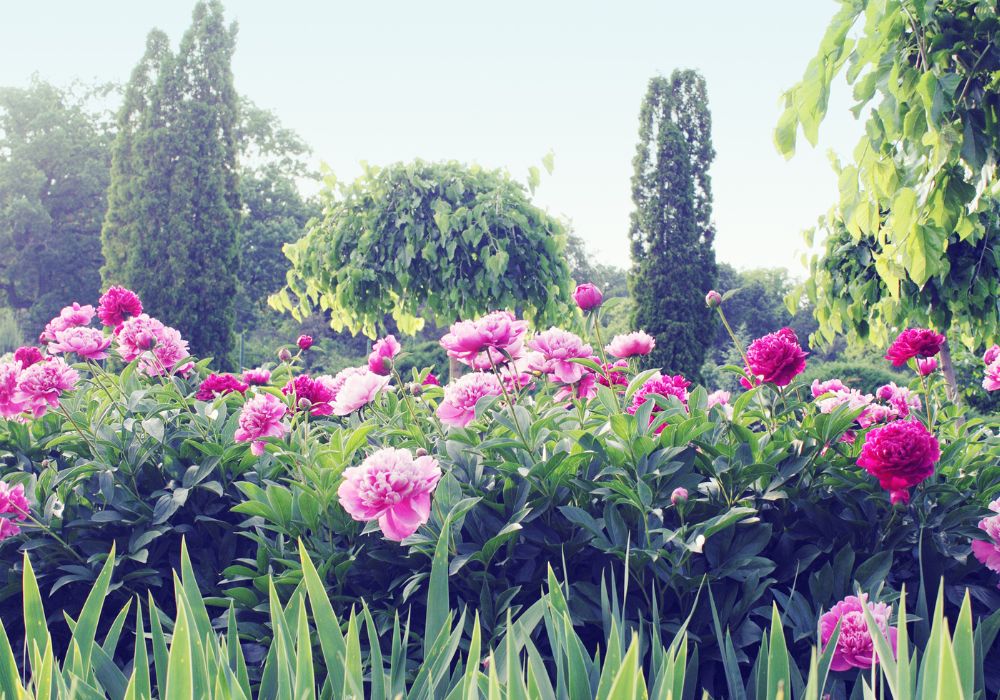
[501, 84]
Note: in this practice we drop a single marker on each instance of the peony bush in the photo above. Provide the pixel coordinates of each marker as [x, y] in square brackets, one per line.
[553, 449]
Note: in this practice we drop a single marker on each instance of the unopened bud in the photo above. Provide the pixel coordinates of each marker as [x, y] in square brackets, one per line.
[713, 299]
[284, 355]
[421, 452]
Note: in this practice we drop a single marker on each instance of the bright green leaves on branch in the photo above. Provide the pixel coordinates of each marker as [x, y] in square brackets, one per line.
[417, 240]
[913, 237]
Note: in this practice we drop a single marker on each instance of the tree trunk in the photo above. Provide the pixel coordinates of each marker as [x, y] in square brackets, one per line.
[949, 373]
[454, 369]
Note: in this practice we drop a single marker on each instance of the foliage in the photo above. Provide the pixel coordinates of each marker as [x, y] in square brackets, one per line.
[436, 239]
[53, 176]
[11, 335]
[671, 229]
[174, 202]
[913, 236]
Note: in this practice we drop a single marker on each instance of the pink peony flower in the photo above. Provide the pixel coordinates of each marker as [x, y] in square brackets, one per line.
[926, 366]
[304, 342]
[357, 391]
[499, 331]
[587, 296]
[257, 377]
[663, 386]
[8, 529]
[556, 348]
[615, 372]
[991, 381]
[167, 353]
[713, 299]
[261, 417]
[830, 385]
[431, 380]
[13, 502]
[720, 398]
[631, 345]
[900, 399]
[392, 487]
[69, 317]
[218, 385]
[136, 335]
[900, 455]
[585, 388]
[855, 646]
[991, 355]
[40, 386]
[914, 342]
[117, 305]
[380, 359]
[458, 408]
[318, 394]
[88, 343]
[678, 495]
[10, 405]
[988, 552]
[28, 355]
[875, 414]
[776, 358]
[843, 397]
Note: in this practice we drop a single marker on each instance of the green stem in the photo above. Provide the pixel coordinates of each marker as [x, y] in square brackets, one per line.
[604, 357]
[47, 530]
[510, 404]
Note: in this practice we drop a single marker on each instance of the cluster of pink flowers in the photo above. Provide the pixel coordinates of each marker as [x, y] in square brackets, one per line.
[159, 348]
[898, 402]
[218, 385]
[659, 385]
[393, 487]
[988, 551]
[776, 358]
[70, 317]
[262, 416]
[855, 646]
[914, 343]
[991, 379]
[34, 389]
[14, 509]
[900, 455]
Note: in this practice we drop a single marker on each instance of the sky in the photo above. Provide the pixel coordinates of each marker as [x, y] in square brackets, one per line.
[502, 84]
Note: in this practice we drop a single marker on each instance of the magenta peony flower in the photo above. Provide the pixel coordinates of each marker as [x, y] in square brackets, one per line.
[261, 417]
[304, 342]
[875, 414]
[13, 502]
[900, 399]
[991, 355]
[8, 529]
[431, 380]
[991, 380]
[88, 343]
[318, 394]
[40, 386]
[458, 408]
[663, 386]
[988, 552]
[615, 372]
[556, 348]
[392, 487]
[585, 388]
[631, 345]
[69, 317]
[900, 455]
[357, 391]
[855, 646]
[776, 358]
[380, 359]
[28, 355]
[678, 495]
[499, 331]
[830, 385]
[914, 342]
[926, 366]
[257, 377]
[587, 296]
[10, 406]
[218, 385]
[168, 350]
[713, 299]
[117, 305]
[136, 335]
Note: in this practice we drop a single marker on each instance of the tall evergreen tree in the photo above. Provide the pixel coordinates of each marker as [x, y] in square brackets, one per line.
[174, 207]
[671, 232]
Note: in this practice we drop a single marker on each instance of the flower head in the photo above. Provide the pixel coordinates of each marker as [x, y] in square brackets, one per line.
[304, 342]
[829, 386]
[167, 352]
[219, 385]
[458, 407]
[662, 385]
[136, 335]
[10, 405]
[257, 377]
[357, 391]
[318, 392]
[431, 380]
[393, 487]
[855, 647]
[40, 386]
[901, 400]
[384, 350]
[776, 357]
[914, 342]
[13, 502]
[587, 296]
[631, 345]
[926, 366]
[900, 455]
[69, 317]
[678, 495]
[991, 380]
[117, 305]
[88, 343]
[499, 331]
[852, 398]
[556, 348]
[8, 529]
[713, 299]
[991, 355]
[28, 355]
[261, 417]
[988, 552]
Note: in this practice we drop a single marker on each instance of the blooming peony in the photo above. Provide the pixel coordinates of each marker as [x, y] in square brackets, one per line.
[257, 377]
[614, 373]
[40, 386]
[10, 405]
[499, 331]
[587, 296]
[28, 355]
[843, 397]
[720, 398]
[393, 487]
[69, 317]
[631, 344]
[926, 366]
[988, 552]
[901, 400]
[914, 342]
[830, 385]
[380, 359]
[876, 413]
[776, 358]
[218, 385]
[8, 529]
[855, 646]
[991, 355]
[315, 395]
[555, 348]
[900, 455]
[357, 391]
[13, 502]
[261, 417]
[166, 354]
[88, 343]
[585, 388]
[663, 386]
[136, 335]
[117, 305]
[991, 381]
[458, 408]
[431, 380]
[304, 342]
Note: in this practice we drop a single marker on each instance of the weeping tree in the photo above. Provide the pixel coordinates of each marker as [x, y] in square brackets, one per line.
[417, 241]
[913, 237]
[671, 232]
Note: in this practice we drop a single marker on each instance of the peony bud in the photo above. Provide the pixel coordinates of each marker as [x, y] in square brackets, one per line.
[284, 355]
[304, 404]
[587, 296]
[926, 366]
[304, 342]
[415, 388]
[420, 452]
[680, 495]
[713, 299]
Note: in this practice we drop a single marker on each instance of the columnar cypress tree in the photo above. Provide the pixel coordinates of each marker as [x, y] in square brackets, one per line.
[671, 232]
[174, 205]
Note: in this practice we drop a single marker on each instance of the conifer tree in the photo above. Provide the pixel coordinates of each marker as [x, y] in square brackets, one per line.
[671, 232]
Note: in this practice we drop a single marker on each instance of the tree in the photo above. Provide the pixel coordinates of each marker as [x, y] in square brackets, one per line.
[913, 238]
[53, 178]
[671, 232]
[174, 208]
[438, 240]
